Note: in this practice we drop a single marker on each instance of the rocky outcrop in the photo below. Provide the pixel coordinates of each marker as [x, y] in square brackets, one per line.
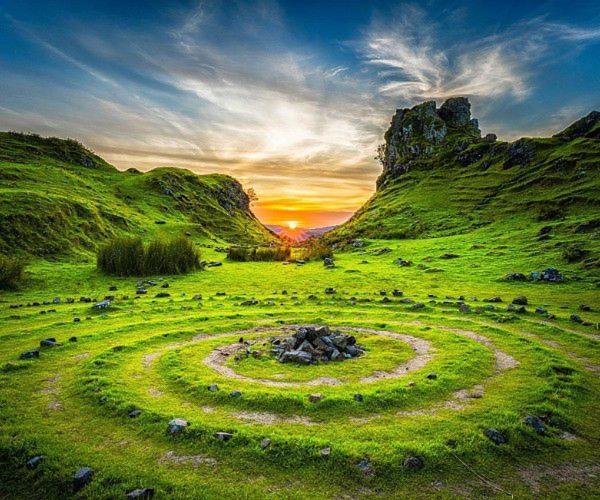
[422, 130]
[588, 127]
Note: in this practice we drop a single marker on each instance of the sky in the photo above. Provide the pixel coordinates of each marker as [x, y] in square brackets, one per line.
[290, 97]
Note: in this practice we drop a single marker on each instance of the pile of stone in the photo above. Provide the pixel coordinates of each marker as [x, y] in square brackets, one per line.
[310, 345]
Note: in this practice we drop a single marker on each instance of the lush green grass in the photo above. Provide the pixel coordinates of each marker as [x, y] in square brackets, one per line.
[149, 353]
[56, 197]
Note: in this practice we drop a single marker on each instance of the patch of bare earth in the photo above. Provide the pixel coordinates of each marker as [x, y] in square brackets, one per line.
[540, 477]
[271, 418]
[193, 460]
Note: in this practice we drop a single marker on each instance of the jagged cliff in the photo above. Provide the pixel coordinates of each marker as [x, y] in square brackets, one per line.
[441, 177]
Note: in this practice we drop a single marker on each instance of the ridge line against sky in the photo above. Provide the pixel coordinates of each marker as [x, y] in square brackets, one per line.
[292, 98]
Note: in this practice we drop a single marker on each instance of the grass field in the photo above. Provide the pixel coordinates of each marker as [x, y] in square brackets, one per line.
[493, 368]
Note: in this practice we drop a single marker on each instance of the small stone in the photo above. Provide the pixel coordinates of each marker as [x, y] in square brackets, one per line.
[575, 318]
[72, 339]
[358, 397]
[50, 342]
[329, 290]
[213, 388]
[397, 293]
[141, 291]
[432, 376]
[34, 462]
[315, 398]
[165, 285]
[411, 383]
[141, 494]
[33, 353]
[386, 300]
[162, 295]
[82, 478]
[235, 394]
[223, 436]
[536, 423]
[176, 426]
[265, 443]
[413, 463]
[540, 310]
[76, 320]
[365, 466]
[325, 452]
[521, 300]
[585, 308]
[493, 299]
[197, 297]
[134, 413]
[464, 308]
[417, 305]
[496, 436]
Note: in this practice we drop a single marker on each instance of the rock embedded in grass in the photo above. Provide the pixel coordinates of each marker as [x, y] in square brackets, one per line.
[34, 462]
[413, 463]
[140, 494]
[495, 436]
[49, 342]
[265, 443]
[223, 436]
[213, 388]
[536, 423]
[82, 478]
[31, 354]
[315, 398]
[176, 426]
[134, 413]
[521, 300]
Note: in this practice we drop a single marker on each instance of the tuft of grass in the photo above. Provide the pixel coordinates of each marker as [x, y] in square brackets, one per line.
[128, 256]
[11, 271]
[316, 249]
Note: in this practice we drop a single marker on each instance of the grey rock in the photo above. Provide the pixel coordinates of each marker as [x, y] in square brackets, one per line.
[521, 300]
[31, 354]
[140, 494]
[495, 436]
[223, 436]
[177, 426]
[265, 443]
[413, 463]
[82, 478]
[536, 423]
[34, 462]
[213, 388]
[134, 413]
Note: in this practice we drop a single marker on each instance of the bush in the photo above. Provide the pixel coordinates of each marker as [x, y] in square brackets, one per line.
[259, 254]
[129, 257]
[11, 271]
[316, 250]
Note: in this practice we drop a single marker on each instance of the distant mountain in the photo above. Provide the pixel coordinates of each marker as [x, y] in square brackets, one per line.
[58, 197]
[299, 234]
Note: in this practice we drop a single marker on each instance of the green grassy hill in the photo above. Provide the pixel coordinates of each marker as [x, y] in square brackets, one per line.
[441, 178]
[58, 197]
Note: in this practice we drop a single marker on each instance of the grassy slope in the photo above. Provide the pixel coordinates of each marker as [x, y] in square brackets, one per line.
[57, 197]
[440, 196]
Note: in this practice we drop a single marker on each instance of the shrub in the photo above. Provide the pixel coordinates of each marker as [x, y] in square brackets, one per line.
[574, 253]
[316, 250]
[11, 271]
[121, 256]
[260, 254]
[129, 257]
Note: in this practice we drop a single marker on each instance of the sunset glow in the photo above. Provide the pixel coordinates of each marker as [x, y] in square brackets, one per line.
[292, 224]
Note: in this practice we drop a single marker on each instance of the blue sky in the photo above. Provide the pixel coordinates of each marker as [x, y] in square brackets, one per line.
[291, 97]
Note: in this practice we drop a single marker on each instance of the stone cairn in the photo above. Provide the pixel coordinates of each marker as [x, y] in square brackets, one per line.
[310, 345]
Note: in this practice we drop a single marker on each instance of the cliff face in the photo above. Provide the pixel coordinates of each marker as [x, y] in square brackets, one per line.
[423, 130]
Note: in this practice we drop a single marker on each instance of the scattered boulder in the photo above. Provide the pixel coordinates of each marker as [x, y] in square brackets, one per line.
[235, 394]
[359, 398]
[213, 388]
[325, 452]
[520, 152]
[223, 436]
[403, 263]
[432, 376]
[82, 478]
[449, 256]
[34, 462]
[315, 398]
[464, 308]
[31, 354]
[251, 302]
[365, 467]
[516, 309]
[515, 277]
[397, 293]
[550, 275]
[413, 463]
[162, 295]
[265, 443]
[329, 290]
[575, 318]
[585, 308]
[328, 262]
[495, 436]
[176, 426]
[536, 423]
[493, 299]
[140, 494]
[134, 413]
[103, 304]
[49, 342]
[521, 300]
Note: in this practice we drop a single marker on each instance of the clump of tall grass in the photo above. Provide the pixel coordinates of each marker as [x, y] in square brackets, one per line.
[129, 257]
[259, 254]
[316, 249]
[11, 271]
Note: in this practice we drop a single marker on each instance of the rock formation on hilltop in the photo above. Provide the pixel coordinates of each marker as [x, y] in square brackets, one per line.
[416, 132]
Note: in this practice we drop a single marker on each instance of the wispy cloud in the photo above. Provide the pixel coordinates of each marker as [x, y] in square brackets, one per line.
[414, 61]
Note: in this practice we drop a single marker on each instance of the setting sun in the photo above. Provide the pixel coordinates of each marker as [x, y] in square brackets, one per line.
[292, 224]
